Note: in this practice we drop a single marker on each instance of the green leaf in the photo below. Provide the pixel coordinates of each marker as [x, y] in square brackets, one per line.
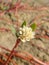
[17, 34]
[23, 24]
[13, 29]
[33, 26]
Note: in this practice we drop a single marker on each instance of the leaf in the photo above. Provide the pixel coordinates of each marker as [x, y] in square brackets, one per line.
[13, 29]
[17, 34]
[33, 26]
[23, 24]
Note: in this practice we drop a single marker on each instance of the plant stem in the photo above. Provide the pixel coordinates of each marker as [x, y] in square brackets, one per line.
[17, 42]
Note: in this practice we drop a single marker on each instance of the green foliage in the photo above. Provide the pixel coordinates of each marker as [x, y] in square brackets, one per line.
[33, 26]
[17, 34]
[23, 24]
[13, 29]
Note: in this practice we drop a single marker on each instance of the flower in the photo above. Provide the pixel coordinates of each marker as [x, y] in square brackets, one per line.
[26, 34]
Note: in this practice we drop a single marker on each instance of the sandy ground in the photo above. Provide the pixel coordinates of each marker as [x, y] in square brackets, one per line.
[7, 39]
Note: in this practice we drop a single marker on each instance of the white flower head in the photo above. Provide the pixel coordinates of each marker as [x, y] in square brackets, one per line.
[26, 34]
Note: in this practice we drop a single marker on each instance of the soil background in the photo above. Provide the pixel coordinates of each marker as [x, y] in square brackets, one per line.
[7, 39]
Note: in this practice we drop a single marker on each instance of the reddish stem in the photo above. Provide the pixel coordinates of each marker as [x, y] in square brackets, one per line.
[4, 29]
[27, 57]
[2, 61]
[3, 54]
[17, 42]
[39, 36]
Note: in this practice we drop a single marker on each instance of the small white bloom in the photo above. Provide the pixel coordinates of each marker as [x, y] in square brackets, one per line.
[26, 34]
[20, 32]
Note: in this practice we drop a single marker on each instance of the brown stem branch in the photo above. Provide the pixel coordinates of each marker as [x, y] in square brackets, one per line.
[17, 42]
